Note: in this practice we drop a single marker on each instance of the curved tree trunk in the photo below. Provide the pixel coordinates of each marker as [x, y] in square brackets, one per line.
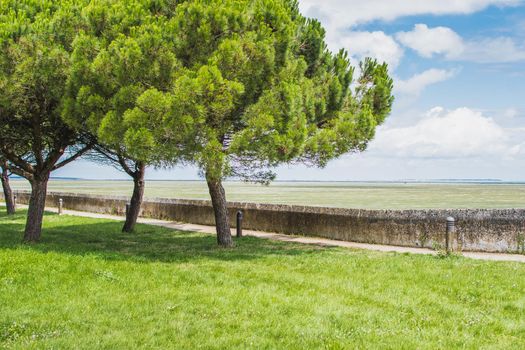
[8, 193]
[35, 211]
[136, 199]
[222, 219]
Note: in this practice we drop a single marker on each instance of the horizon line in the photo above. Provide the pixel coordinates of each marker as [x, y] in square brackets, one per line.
[442, 180]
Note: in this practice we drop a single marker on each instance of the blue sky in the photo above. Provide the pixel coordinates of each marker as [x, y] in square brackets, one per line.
[459, 70]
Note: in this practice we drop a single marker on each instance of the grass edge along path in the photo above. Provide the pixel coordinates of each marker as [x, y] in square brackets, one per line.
[295, 239]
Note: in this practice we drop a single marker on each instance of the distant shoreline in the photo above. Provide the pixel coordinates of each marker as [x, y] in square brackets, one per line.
[408, 181]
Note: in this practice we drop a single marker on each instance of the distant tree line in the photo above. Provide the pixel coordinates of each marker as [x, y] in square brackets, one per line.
[235, 87]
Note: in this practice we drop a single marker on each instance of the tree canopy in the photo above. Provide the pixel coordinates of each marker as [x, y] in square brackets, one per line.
[236, 87]
[121, 58]
[258, 87]
[35, 49]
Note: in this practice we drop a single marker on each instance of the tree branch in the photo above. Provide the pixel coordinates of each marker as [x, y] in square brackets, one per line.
[106, 153]
[124, 166]
[17, 161]
[20, 172]
[77, 155]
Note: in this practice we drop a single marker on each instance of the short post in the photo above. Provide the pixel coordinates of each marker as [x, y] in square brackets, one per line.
[239, 223]
[14, 201]
[60, 206]
[451, 228]
[127, 209]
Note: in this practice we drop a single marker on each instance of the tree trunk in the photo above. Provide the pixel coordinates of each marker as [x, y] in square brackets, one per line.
[136, 199]
[222, 219]
[8, 193]
[35, 212]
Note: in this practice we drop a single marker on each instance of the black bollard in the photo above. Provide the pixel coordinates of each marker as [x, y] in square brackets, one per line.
[239, 223]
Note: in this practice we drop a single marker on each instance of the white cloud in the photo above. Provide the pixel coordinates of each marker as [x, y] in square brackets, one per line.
[416, 84]
[347, 13]
[518, 150]
[492, 50]
[511, 113]
[428, 42]
[459, 133]
[373, 44]
[338, 16]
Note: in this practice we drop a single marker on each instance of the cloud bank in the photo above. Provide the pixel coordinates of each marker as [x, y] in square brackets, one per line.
[348, 13]
[428, 42]
[417, 83]
[458, 133]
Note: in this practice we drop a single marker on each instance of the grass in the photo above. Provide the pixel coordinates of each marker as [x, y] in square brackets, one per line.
[88, 286]
[329, 194]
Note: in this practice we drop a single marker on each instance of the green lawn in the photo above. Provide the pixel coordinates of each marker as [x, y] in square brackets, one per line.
[88, 286]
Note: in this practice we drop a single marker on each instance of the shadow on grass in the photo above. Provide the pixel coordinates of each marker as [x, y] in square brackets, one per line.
[85, 236]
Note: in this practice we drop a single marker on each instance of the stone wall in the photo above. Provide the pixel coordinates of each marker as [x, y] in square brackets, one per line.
[488, 230]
